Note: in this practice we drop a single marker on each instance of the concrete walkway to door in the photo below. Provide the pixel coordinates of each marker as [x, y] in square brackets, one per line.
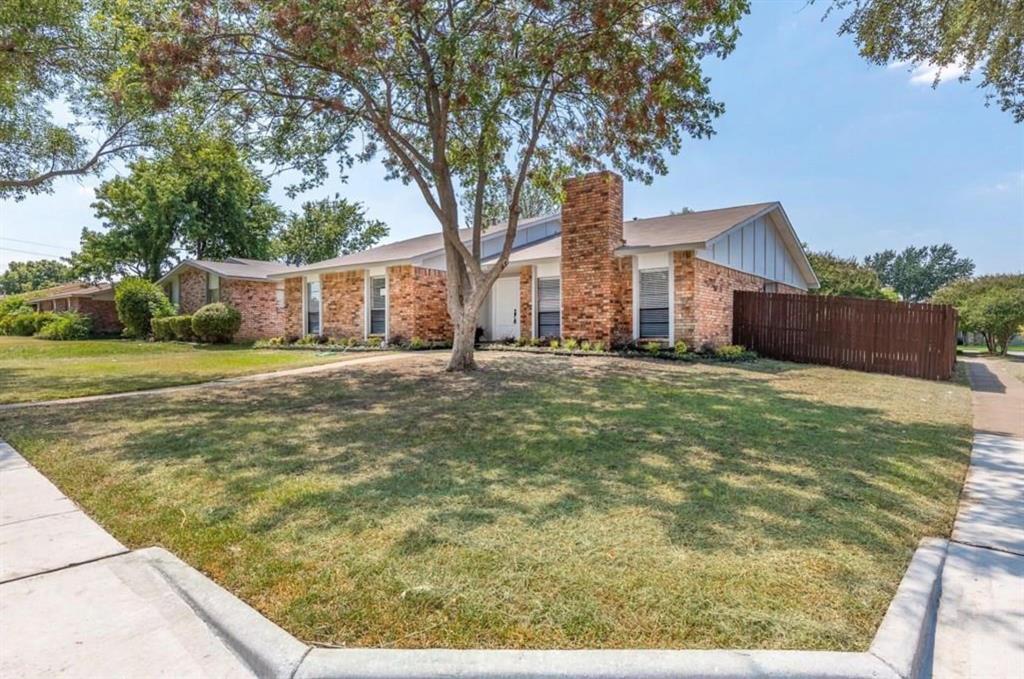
[980, 629]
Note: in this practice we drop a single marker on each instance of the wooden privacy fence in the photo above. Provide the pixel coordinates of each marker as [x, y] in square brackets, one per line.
[918, 340]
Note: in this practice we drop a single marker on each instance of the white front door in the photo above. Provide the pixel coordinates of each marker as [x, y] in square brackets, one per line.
[505, 308]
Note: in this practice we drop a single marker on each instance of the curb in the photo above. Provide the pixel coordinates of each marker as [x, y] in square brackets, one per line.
[901, 649]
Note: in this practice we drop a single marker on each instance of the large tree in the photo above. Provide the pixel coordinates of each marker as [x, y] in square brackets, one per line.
[58, 56]
[199, 198]
[961, 36]
[917, 272]
[34, 275]
[990, 305]
[846, 277]
[325, 229]
[456, 96]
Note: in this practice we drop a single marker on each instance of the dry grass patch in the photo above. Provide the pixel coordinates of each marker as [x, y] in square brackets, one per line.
[541, 503]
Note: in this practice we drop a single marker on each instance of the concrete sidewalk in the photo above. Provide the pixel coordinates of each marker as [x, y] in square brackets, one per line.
[980, 629]
[75, 603]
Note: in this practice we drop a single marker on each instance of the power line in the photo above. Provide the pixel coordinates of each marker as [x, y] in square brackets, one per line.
[49, 255]
[33, 242]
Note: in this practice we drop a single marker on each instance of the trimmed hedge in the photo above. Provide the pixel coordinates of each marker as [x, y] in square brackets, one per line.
[138, 302]
[216, 322]
[181, 326]
[69, 325]
[162, 330]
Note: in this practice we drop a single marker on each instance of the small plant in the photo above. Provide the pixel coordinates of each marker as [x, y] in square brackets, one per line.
[570, 344]
[522, 341]
[652, 348]
[216, 322]
[585, 345]
[534, 341]
[67, 326]
[598, 347]
[681, 348]
[353, 342]
[138, 302]
[417, 343]
[277, 341]
[374, 342]
[553, 344]
[734, 352]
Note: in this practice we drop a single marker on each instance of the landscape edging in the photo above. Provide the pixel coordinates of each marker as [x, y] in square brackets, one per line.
[900, 650]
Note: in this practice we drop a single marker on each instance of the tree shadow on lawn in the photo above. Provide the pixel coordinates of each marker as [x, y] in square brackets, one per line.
[723, 460]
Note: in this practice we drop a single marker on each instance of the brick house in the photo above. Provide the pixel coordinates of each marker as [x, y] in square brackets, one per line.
[584, 273]
[96, 301]
[244, 284]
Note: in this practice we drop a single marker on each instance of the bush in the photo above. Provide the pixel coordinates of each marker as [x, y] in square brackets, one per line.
[66, 326]
[163, 331]
[553, 344]
[216, 322]
[417, 343]
[181, 326]
[652, 348]
[733, 352]
[138, 302]
[598, 347]
[570, 344]
[25, 323]
[681, 348]
[374, 342]
[585, 345]
[9, 308]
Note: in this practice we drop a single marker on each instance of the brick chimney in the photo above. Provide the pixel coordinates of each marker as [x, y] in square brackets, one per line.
[596, 297]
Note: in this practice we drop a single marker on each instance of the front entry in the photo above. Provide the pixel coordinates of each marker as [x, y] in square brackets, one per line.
[505, 309]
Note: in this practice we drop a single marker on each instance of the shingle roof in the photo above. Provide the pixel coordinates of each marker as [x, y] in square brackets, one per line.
[76, 289]
[236, 267]
[692, 227]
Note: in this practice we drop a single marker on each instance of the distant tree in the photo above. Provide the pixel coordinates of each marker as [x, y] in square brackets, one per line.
[961, 34]
[34, 275]
[917, 272]
[992, 306]
[200, 198]
[456, 96]
[326, 229]
[846, 277]
[681, 211]
[535, 200]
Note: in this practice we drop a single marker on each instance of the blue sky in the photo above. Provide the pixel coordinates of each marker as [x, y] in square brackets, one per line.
[862, 157]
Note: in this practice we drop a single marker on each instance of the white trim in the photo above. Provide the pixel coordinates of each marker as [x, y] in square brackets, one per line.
[306, 280]
[533, 303]
[367, 302]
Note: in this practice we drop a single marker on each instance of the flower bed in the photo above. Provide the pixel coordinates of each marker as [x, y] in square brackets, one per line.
[728, 353]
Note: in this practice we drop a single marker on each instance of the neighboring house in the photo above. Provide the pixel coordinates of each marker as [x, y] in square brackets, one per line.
[244, 284]
[584, 273]
[93, 300]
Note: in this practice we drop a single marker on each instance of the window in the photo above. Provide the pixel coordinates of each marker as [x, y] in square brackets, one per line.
[212, 288]
[313, 308]
[549, 307]
[378, 305]
[654, 304]
[279, 295]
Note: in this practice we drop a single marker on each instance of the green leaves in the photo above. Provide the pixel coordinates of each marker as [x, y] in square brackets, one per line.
[326, 229]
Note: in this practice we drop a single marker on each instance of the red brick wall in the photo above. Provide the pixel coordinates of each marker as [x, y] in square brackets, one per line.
[418, 304]
[293, 325]
[192, 290]
[526, 302]
[703, 298]
[344, 294]
[103, 312]
[257, 303]
[592, 291]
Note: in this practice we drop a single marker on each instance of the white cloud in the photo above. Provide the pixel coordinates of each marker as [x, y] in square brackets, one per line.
[925, 74]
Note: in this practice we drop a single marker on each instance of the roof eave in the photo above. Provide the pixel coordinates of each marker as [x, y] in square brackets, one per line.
[305, 271]
[628, 250]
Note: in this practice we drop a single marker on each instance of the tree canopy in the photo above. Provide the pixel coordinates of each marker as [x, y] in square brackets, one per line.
[200, 198]
[325, 229]
[845, 277]
[34, 275]
[990, 305]
[960, 35]
[455, 96]
[917, 272]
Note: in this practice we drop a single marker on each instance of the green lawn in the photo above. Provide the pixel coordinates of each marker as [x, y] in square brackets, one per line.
[543, 502]
[36, 370]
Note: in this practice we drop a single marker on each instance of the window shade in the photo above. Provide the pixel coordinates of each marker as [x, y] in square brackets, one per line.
[549, 307]
[654, 306]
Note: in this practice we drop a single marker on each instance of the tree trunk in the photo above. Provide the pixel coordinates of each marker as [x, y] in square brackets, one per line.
[463, 343]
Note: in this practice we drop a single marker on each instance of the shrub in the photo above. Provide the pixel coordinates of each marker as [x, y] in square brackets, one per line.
[598, 346]
[163, 331]
[138, 302]
[417, 343]
[181, 326]
[681, 348]
[570, 344]
[216, 322]
[70, 325]
[26, 322]
[553, 344]
[733, 352]
[9, 308]
[534, 341]
[374, 342]
[585, 345]
[652, 348]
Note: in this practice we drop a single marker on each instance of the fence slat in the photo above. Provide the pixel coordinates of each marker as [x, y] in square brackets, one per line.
[917, 340]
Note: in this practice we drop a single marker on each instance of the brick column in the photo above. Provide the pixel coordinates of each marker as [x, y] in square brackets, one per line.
[526, 302]
[591, 280]
[293, 307]
[418, 304]
[685, 311]
[343, 305]
[191, 290]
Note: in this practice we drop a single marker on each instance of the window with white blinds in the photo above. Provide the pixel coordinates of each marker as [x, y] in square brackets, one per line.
[313, 308]
[654, 307]
[549, 307]
[378, 305]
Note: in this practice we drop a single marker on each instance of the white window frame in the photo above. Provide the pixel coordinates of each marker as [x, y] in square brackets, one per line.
[305, 304]
[280, 296]
[368, 298]
[654, 262]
